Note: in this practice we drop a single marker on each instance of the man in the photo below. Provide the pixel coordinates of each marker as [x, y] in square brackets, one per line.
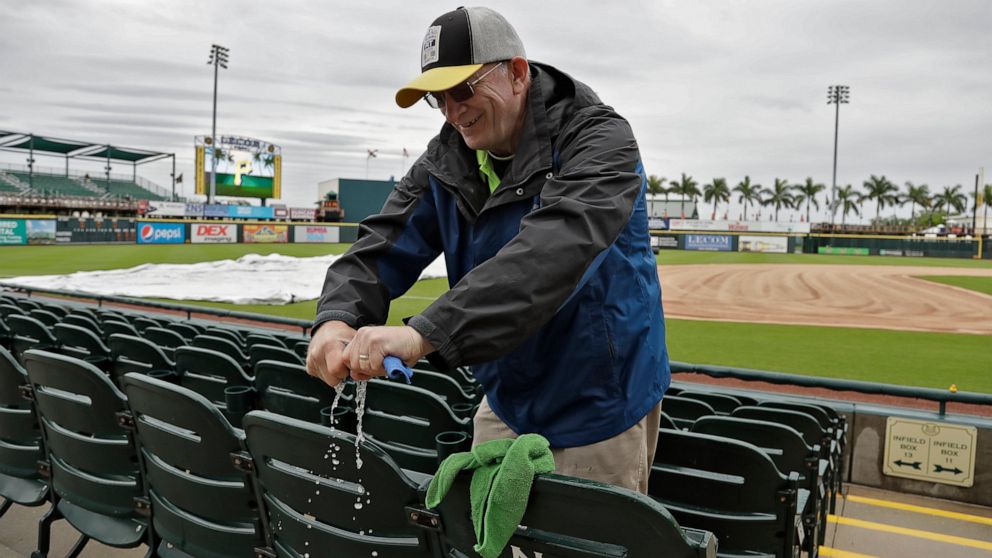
[534, 193]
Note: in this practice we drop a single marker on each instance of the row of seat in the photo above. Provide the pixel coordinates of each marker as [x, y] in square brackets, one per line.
[158, 464]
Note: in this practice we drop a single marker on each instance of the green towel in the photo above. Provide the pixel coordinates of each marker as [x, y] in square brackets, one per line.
[504, 472]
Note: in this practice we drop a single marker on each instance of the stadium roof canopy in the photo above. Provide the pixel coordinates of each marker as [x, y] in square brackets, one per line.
[45, 145]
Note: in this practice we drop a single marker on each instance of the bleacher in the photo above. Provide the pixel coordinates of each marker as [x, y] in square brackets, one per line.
[234, 440]
[77, 186]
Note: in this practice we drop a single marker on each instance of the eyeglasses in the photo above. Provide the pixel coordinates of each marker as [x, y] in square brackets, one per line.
[459, 93]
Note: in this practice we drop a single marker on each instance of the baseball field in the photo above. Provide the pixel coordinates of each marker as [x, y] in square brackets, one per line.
[911, 321]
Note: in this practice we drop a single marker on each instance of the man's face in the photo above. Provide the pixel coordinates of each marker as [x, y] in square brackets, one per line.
[488, 119]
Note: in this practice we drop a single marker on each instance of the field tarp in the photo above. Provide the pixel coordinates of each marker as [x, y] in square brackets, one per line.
[251, 279]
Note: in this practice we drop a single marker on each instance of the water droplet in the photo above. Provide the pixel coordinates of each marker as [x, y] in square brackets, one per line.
[374, 553]
[358, 505]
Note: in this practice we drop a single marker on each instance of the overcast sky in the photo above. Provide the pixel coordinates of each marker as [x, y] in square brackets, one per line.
[713, 89]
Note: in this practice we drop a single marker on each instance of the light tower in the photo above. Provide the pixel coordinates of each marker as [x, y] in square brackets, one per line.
[218, 58]
[836, 95]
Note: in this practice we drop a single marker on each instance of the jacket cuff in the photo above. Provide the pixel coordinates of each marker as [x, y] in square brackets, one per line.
[334, 315]
[445, 355]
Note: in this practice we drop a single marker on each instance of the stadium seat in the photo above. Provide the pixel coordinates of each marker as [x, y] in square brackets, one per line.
[57, 309]
[200, 503]
[45, 317]
[264, 339]
[259, 352]
[462, 374]
[722, 404]
[136, 354]
[6, 336]
[446, 387]
[786, 447]
[91, 458]
[210, 373]
[187, 331]
[84, 321]
[84, 344]
[731, 489]
[110, 327]
[288, 390]
[20, 440]
[685, 411]
[301, 348]
[666, 421]
[142, 323]
[11, 309]
[405, 420]
[558, 523]
[28, 305]
[230, 335]
[29, 333]
[317, 506]
[167, 339]
[223, 345]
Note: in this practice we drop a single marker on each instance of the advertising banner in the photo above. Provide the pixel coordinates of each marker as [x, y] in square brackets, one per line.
[249, 212]
[302, 213]
[765, 244]
[209, 233]
[165, 209]
[657, 223]
[709, 242]
[844, 251]
[161, 233]
[194, 210]
[92, 230]
[266, 233]
[13, 231]
[40, 231]
[279, 212]
[316, 233]
[215, 210]
[669, 242]
[737, 226]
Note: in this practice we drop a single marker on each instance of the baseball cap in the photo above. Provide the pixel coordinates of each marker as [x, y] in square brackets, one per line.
[456, 45]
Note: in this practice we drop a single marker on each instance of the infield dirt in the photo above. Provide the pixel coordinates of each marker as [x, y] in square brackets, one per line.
[880, 297]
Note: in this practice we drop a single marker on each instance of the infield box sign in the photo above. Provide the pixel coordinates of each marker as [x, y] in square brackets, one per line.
[316, 233]
[161, 233]
[208, 233]
[709, 242]
[930, 451]
[266, 233]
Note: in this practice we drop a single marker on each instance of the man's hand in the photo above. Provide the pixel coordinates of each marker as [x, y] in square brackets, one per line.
[370, 345]
[325, 357]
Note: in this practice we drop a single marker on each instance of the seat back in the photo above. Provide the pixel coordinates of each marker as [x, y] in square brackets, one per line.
[815, 411]
[319, 503]
[730, 488]
[287, 389]
[110, 327]
[142, 323]
[264, 339]
[85, 322]
[446, 387]
[166, 339]
[57, 309]
[230, 335]
[82, 343]
[405, 420]
[783, 444]
[722, 404]
[11, 309]
[259, 352]
[45, 317]
[20, 438]
[28, 333]
[28, 305]
[200, 502]
[136, 354]
[208, 373]
[685, 411]
[222, 345]
[558, 523]
[805, 424]
[92, 457]
[301, 348]
[185, 330]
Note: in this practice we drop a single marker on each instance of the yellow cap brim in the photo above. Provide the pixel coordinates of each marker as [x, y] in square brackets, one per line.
[435, 79]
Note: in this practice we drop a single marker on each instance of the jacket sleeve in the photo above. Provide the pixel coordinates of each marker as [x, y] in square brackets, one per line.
[392, 249]
[583, 209]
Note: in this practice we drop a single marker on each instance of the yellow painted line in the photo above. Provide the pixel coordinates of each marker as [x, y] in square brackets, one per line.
[835, 553]
[928, 535]
[920, 509]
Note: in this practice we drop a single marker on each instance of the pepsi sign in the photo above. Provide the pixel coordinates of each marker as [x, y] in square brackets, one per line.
[161, 233]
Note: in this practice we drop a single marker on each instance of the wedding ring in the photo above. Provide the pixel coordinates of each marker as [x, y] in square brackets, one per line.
[363, 357]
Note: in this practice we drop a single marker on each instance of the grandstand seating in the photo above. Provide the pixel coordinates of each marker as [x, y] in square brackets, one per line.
[20, 480]
[77, 186]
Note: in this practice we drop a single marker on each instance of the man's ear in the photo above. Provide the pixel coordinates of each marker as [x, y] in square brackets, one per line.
[519, 73]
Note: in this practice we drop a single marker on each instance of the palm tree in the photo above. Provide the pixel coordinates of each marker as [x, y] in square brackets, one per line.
[847, 200]
[807, 192]
[749, 193]
[716, 191]
[656, 185]
[987, 195]
[686, 187]
[950, 198]
[884, 193]
[916, 195]
[779, 196]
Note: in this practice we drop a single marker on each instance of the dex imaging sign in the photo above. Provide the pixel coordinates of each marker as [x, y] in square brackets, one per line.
[204, 233]
[161, 233]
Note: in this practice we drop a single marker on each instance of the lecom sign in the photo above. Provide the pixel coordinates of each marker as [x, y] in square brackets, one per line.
[214, 234]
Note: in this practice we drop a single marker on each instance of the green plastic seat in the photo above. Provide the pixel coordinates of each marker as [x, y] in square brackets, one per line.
[82, 343]
[200, 502]
[405, 420]
[667, 422]
[166, 339]
[187, 331]
[57, 309]
[730, 488]
[110, 327]
[722, 404]
[91, 458]
[230, 335]
[259, 352]
[561, 521]
[85, 322]
[301, 348]
[29, 333]
[264, 339]
[446, 387]
[462, 374]
[287, 389]
[136, 354]
[358, 512]
[20, 440]
[223, 345]
[210, 374]
[28, 305]
[11, 309]
[45, 317]
[685, 411]
[143, 323]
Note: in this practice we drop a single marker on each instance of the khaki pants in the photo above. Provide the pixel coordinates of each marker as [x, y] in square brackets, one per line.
[623, 460]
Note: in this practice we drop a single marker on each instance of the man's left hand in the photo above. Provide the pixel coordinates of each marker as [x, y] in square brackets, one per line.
[372, 344]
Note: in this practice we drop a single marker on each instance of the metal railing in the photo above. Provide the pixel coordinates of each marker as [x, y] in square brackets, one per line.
[941, 396]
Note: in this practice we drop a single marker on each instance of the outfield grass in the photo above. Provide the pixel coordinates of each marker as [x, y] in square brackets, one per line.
[978, 284]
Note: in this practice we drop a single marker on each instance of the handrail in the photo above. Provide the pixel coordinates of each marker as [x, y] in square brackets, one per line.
[939, 395]
[189, 309]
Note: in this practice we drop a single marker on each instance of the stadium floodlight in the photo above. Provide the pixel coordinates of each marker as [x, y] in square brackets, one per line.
[218, 59]
[836, 95]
